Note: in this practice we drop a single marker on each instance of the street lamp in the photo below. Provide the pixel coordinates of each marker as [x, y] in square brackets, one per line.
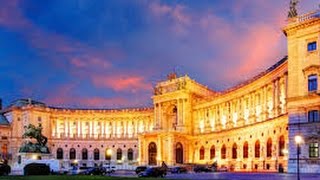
[298, 140]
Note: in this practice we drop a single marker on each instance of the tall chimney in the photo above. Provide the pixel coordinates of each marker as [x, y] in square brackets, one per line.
[0, 104]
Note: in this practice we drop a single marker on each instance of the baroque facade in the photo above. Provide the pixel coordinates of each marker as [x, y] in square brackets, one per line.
[250, 127]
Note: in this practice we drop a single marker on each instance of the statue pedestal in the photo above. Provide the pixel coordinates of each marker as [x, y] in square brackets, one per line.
[26, 158]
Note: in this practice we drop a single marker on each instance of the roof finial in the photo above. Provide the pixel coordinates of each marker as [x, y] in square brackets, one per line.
[293, 10]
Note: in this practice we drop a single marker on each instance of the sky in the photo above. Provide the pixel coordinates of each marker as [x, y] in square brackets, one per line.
[111, 53]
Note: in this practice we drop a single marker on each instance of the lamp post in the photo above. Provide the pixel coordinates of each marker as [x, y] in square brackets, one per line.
[298, 140]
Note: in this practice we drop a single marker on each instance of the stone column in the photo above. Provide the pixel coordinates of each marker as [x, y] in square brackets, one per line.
[102, 126]
[57, 127]
[156, 120]
[70, 128]
[159, 151]
[264, 103]
[170, 150]
[178, 113]
[90, 128]
[159, 116]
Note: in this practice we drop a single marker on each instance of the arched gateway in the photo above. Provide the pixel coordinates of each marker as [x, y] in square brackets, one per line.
[152, 151]
[179, 153]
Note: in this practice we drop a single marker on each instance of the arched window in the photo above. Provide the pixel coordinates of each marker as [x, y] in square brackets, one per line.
[119, 154]
[59, 153]
[130, 154]
[281, 145]
[245, 150]
[234, 151]
[269, 147]
[223, 152]
[84, 154]
[108, 154]
[96, 154]
[257, 149]
[201, 153]
[212, 152]
[72, 154]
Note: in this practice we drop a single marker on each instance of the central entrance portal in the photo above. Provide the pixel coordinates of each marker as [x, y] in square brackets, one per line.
[179, 153]
[152, 151]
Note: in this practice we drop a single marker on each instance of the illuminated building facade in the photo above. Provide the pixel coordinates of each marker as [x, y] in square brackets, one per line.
[249, 127]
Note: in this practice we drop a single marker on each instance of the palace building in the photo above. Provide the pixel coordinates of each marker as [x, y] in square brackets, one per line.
[250, 127]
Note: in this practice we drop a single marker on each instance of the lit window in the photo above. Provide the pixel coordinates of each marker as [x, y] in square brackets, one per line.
[313, 150]
[313, 116]
[84, 154]
[234, 151]
[119, 154]
[202, 153]
[130, 154]
[96, 154]
[245, 150]
[312, 83]
[269, 148]
[212, 152]
[72, 153]
[257, 149]
[312, 46]
[223, 152]
[59, 153]
[281, 146]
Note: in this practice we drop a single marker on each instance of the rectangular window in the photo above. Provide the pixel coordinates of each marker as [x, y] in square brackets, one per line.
[312, 46]
[313, 150]
[313, 116]
[312, 83]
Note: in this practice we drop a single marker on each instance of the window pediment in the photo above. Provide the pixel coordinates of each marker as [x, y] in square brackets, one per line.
[312, 69]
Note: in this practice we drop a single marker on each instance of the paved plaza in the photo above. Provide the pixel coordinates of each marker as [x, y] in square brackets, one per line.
[230, 176]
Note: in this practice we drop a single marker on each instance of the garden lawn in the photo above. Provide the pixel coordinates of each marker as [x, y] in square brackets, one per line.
[66, 177]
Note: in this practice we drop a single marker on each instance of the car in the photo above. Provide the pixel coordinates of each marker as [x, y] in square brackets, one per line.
[223, 169]
[153, 172]
[5, 169]
[140, 169]
[94, 171]
[199, 168]
[36, 169]
[110, 170]
[179, 169]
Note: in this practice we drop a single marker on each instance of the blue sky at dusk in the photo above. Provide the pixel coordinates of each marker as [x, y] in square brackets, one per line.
[110, 54]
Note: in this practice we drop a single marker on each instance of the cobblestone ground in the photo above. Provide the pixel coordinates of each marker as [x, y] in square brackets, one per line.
[231, 176]
[244, 176]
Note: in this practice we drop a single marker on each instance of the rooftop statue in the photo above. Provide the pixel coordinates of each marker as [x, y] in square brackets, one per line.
[33, 132]
[293, 10]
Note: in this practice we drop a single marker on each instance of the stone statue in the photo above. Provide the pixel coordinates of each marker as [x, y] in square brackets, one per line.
[33, 132]
[172, 76]
[293, 10]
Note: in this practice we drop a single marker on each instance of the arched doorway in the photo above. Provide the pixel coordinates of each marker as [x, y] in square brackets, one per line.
[179, 153]
[152, 150]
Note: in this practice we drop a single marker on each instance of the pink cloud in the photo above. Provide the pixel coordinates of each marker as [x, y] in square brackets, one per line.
[11, 16]
[177, 13]
[50, 44]
[64, 96]
[160, 9]
[244, 49]
[83, 62]
[122, 82]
